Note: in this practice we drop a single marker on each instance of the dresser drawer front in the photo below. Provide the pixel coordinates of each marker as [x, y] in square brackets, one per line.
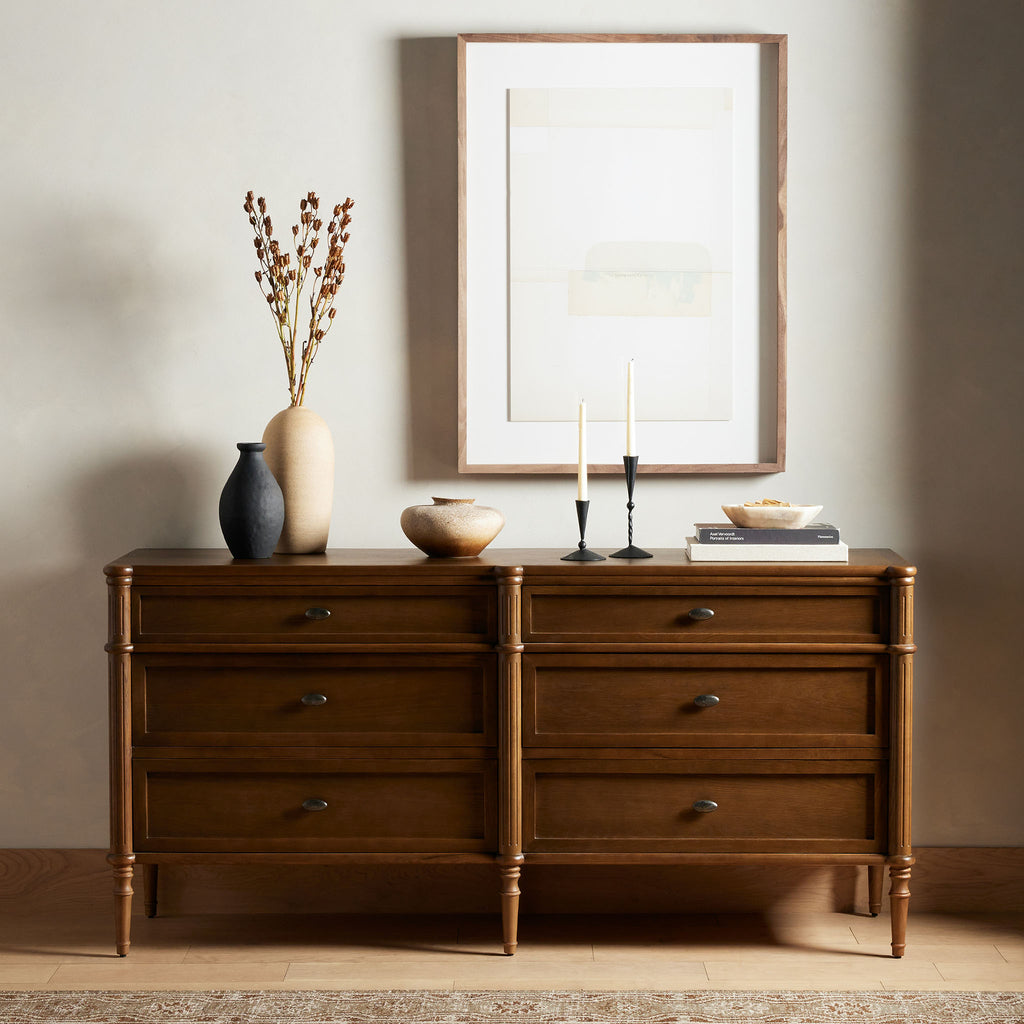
[308, 699]
[679, 615]
[762, 806]
[215, 805]
[668, 700]
[355, 614]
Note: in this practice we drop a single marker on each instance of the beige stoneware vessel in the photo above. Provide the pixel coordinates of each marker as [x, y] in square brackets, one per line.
[300, 454]
[451, 527]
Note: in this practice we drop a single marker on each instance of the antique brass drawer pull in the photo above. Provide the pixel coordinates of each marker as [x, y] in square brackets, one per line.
[313, 700]
[700, 614]
[318, 613]
[704, 700]
[314, 804]
[705, 806]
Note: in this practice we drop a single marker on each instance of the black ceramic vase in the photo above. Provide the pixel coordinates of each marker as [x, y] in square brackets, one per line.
[251, 505]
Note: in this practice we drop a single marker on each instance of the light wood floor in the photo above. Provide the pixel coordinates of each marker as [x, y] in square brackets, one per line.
[71, 948]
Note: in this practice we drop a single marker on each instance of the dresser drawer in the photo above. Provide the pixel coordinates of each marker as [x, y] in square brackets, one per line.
[680, 615]
[312, 699]
[695, 700]
[652, 806]
[369, 805]
[352, 614]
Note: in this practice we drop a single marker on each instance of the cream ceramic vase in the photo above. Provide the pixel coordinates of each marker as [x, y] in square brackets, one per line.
[300, 454]
[451, 527]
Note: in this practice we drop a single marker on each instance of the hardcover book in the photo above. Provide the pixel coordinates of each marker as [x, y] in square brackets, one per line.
[837, 552]
[726, 533]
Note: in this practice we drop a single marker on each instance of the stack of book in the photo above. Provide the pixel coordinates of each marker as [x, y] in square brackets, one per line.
[723, 542]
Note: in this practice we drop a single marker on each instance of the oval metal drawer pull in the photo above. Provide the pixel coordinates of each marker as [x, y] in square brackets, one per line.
[700, 614]
[318, 613]
[314, 804]
[704, 700]
[313, 700]
[705, 806]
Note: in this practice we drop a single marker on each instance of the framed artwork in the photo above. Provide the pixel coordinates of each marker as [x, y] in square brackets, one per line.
[622, 198]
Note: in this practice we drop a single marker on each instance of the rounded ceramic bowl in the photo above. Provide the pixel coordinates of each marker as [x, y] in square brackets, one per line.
[451, 527]
[772, 517]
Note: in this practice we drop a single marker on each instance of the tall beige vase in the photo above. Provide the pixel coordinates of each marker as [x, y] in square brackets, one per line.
[300, 454]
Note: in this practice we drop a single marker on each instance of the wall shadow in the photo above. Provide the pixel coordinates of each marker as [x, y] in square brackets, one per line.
[52, 634]
[964, 417]
[100, 308]
[158, 498]
[429, 122]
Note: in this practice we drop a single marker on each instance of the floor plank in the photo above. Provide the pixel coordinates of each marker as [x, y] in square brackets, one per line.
[72, 947]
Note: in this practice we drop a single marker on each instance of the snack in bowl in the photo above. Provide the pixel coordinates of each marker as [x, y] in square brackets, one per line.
[769, 514]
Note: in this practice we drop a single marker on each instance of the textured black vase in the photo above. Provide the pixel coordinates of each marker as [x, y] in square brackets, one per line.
[251, 505]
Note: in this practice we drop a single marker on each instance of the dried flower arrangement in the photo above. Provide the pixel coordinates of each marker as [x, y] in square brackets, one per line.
[281, 283]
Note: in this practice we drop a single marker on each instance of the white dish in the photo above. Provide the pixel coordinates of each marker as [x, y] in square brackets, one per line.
[772, 517]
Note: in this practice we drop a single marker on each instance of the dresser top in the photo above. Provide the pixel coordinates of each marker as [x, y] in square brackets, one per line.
[154, 563]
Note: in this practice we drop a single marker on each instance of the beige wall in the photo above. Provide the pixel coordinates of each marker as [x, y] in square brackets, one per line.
[135, 351]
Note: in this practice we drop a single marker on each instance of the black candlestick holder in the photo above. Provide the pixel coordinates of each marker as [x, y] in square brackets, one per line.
[631, 550]
[583, 554]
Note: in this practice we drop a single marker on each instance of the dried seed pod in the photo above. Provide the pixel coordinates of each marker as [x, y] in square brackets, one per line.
[285, 280]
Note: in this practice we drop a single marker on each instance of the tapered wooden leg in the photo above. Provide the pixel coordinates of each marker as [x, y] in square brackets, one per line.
[899, 905]
[150, 880]
[124, 869]
[510, 905]
[876, 876]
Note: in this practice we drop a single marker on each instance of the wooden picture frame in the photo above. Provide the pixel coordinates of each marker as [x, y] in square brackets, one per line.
[622, 197]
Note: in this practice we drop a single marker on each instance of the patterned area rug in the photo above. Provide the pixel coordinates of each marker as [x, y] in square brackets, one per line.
[703, 1007]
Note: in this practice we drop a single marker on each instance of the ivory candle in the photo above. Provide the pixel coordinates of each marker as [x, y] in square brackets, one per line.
[581, 486]
[630, 412]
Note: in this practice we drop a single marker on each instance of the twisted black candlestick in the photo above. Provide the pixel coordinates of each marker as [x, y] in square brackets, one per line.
[584, 554]
[631, 550]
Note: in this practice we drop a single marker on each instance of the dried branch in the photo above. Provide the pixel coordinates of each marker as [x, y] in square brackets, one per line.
[281, 283]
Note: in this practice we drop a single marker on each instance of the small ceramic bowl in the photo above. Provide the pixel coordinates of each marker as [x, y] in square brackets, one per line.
[772, 517]
[451, 527]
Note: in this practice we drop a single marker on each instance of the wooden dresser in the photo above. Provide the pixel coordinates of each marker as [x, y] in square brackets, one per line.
[513, 708]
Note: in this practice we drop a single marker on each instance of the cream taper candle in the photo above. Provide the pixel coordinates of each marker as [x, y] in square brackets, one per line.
[581, 486]
[630, 412]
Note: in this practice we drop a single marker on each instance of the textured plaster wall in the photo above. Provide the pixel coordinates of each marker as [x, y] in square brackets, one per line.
[136, 351]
